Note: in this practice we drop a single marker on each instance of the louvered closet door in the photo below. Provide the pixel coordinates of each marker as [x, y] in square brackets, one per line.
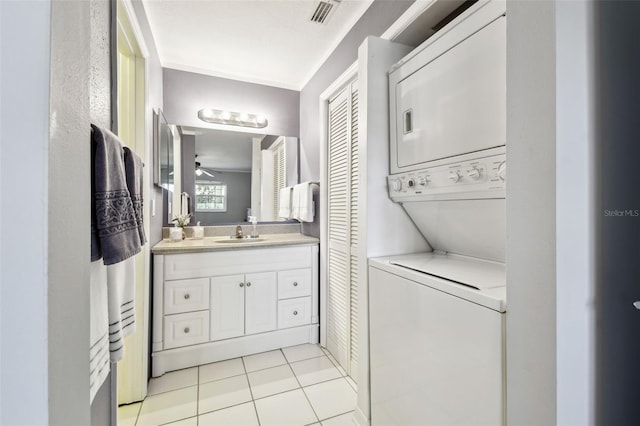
[279, 176]
[342, 262]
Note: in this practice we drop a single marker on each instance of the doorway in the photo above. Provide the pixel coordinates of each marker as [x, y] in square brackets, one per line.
[131, 54]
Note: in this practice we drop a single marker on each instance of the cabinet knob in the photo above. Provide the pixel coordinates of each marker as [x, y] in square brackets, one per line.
[295, 312]
[248, 284]
[295, 284]
[186, 330]
[241, 284]
[186, 296]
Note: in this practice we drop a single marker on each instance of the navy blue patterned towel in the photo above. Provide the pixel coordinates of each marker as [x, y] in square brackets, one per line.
[114, 228]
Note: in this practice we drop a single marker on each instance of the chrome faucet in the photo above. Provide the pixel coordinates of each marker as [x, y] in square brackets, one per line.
[239, 233]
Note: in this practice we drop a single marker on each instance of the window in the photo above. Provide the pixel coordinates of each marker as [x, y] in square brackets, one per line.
[211, 197]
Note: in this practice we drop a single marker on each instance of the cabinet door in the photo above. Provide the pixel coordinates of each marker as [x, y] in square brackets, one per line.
[227, 307]
[261, 302]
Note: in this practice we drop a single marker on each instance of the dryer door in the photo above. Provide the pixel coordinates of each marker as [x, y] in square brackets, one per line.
[456, 103]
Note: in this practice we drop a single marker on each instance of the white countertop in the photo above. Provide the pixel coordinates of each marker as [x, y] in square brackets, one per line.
[189, 245]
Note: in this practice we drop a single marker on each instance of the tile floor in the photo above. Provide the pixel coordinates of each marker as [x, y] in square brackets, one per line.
[297, 386]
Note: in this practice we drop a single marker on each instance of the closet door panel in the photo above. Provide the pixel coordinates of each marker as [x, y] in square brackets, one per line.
[342, 207]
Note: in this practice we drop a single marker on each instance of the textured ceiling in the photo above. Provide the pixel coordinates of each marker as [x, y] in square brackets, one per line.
[269, 42]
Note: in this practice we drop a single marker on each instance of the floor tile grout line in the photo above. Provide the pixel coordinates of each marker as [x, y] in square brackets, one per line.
[260, 369]
[138, 418]
[253, 401]
[266, 368]
[300, 387]
[309, 359]
[179, 420]
[305, 395]
[326, 381]
[225, 408]
[322, 381]
[223, 378]
[198, 400]
[139, 411]
[337, 415]
[304, 359]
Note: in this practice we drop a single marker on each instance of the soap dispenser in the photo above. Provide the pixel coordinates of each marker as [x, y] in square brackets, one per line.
[198, 232]
[254, 223]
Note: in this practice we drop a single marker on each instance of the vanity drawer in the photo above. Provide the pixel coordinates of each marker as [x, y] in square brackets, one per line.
[294, 312]
[186, 296]
[294, 283]
[240, 261]
[186, 329]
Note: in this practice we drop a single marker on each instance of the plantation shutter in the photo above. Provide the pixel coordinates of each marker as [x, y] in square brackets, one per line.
[342, 291]
[279, 175]
[353, 232]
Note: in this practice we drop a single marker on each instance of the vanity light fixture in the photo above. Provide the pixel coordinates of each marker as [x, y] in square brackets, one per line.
[217, 116]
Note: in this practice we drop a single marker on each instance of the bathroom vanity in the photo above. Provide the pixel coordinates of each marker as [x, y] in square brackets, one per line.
[219, 298]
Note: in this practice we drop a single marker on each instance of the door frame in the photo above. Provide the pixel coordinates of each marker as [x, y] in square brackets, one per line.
[138, 362]
[348, 75]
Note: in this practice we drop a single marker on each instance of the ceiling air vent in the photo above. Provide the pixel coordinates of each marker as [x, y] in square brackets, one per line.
[323, 10]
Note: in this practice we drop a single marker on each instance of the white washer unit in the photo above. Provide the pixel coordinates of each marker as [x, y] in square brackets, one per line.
[437, 319]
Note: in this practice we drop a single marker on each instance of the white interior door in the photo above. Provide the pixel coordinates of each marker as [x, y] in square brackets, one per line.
[342, 213]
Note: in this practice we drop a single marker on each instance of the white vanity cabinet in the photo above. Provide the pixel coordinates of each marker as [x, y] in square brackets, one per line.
[216, 305]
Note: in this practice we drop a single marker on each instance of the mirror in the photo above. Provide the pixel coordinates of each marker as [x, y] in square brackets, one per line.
[230, 175]
[163, 161]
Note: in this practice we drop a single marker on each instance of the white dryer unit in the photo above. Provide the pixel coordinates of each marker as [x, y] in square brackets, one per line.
[436, 320]
[448, 97]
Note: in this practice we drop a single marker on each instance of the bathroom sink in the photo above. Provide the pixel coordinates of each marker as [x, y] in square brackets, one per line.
[240, 240]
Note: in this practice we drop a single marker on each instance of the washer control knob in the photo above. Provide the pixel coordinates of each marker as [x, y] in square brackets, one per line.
[502, 171]
[411, 183]
[474, 174]
[454, 176]
[421, 181]
[395, 185]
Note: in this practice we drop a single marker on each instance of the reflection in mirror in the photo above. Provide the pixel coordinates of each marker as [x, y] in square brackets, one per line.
[231, 175]
[164, 163]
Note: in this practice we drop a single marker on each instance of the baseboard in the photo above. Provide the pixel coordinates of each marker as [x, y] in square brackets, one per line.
[190, 356]
[360, 419]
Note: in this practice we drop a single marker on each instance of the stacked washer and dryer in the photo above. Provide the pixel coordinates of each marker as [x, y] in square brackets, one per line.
[437, 319]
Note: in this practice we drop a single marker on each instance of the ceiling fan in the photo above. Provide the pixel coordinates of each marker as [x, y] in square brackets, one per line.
[204, 170]
[201, 170]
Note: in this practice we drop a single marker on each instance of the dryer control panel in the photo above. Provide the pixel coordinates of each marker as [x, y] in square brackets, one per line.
[477, 178]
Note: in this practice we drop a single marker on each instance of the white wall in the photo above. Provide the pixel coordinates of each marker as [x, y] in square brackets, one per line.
[44, 248]
[69, 177]
[531, 213]
[550, 213]
[375, 57]
[24, 80]
[575, 210]
[185, 93]
[379, 16]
